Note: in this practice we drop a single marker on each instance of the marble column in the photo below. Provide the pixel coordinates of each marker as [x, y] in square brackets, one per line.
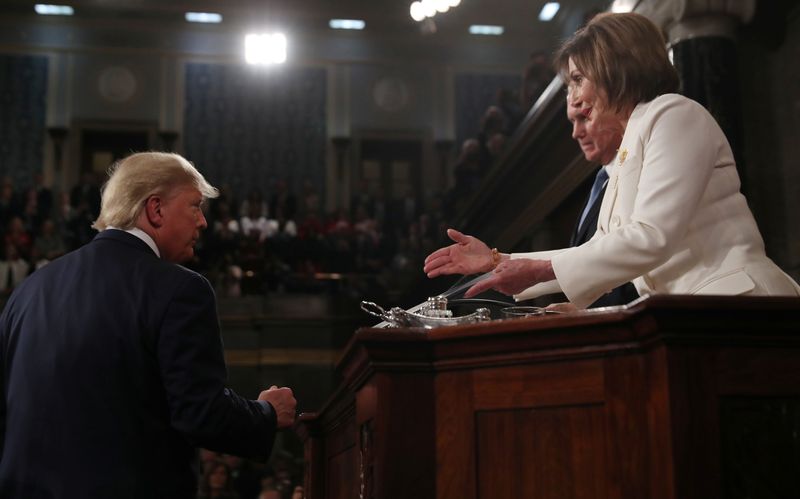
[701, 36]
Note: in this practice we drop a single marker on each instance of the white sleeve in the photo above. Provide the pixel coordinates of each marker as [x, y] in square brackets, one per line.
[678, 154]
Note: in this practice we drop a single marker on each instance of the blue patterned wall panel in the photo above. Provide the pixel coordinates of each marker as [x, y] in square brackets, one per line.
[474, 93]
[247, 128]
[23, 111]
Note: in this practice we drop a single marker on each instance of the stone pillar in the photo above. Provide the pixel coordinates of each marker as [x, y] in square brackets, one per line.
[702, 38]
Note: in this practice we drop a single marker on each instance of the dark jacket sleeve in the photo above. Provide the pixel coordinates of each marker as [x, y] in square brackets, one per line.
[192, 366]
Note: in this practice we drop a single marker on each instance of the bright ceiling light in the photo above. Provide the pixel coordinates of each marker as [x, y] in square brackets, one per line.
[347, 24]
[455, 3]
[482, 29]
[429, 8]
[549, 11]
[265, 48]
[417, 11]
[442, 5]
[622, 6]
[203, 17]
[53, 10]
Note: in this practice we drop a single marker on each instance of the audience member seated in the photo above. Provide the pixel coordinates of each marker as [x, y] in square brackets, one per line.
[245, 478]
[48, 245]
[255, 199]
[282, 203]
[216, 482]
[9, 204]
[13, 269]
[535, 78]
[254, 224]
[19, 237]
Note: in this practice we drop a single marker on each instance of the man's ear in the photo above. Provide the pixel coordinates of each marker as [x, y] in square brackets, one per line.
[153, 208]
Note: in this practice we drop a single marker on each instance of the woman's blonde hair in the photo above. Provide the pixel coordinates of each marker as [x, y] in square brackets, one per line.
[624, 55]
[134, 179]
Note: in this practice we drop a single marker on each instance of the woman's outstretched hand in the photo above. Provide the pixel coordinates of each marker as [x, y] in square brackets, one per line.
[469, 255]
[514, 276]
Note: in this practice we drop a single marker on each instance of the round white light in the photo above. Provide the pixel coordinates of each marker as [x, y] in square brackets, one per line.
[429, 8]
[442, 5]
[417, 11]
[455, 3]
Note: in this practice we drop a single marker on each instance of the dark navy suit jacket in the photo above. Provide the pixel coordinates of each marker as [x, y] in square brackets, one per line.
[582, 233]
[113, 371]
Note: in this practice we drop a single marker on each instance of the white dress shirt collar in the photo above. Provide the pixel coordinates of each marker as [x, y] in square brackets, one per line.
[144, 236]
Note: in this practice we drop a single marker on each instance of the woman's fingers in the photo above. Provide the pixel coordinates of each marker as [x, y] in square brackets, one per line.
[482, 286]
[437, 254]
[436, 264]
[457, 236]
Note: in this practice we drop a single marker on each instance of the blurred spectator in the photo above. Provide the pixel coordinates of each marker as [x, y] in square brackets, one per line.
[495, 145]
[86, 195]
[254, 199]
[310, 201]
[494, 121]
[48, 245]
[270, 492]
[282, 204]
[44, 197]
[362, 197]
[246, 480]
[19, 237]
[254, 223]
[509, 102]
[13, 269]
[216, 482]
[535, 78]
[9, 204]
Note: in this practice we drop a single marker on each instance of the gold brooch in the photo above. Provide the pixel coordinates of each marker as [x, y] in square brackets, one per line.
[623, 153]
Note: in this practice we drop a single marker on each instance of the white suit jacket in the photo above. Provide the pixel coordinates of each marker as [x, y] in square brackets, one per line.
[672, 219]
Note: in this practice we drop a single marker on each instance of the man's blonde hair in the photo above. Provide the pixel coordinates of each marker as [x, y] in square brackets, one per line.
[134, 179]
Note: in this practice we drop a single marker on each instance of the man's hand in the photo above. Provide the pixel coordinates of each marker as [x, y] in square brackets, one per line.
[514, 276]
[283, 402]
[469, 255]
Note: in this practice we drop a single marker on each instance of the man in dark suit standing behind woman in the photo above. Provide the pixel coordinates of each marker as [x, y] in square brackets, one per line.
[111, 358]
[600, 147]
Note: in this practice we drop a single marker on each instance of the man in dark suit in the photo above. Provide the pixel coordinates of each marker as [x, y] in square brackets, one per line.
[111, 358]
[599, 148]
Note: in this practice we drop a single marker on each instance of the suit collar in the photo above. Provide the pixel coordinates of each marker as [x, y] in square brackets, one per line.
[125, 238]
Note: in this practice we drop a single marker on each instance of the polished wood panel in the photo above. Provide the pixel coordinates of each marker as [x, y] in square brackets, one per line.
[550, 452]
[627, 402]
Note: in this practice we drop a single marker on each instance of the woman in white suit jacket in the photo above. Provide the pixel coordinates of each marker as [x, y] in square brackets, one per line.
[672, 219]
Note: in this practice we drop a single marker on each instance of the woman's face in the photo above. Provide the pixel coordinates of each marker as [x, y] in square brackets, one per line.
[602, 124]
[582, 93]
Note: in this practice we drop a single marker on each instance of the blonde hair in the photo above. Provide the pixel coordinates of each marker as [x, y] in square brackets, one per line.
[624, 55]
[134, 179]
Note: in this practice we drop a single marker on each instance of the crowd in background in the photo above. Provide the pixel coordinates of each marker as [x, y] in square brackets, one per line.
[275, 239]
[497, 125]
[224, 476]
[278, 241]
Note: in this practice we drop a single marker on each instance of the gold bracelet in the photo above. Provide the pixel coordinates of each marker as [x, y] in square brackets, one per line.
[495, 258]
